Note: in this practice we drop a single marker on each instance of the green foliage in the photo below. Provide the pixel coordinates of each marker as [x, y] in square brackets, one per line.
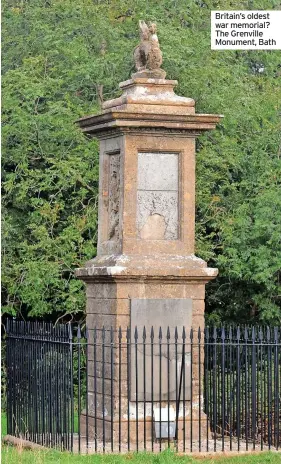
[56, 54]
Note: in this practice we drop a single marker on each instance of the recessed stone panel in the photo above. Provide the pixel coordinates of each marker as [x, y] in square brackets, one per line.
[154, 372]
[158, 171]
[114, 197]
[158, 196]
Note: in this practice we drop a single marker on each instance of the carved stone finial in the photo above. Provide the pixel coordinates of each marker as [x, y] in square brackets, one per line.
[147, 55]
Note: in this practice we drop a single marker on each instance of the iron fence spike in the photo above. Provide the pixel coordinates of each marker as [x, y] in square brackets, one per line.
[144, 333]
[69, 331]
[136, 333]
[183, 333]
[168, 333]
[191, 334]
[268, 333]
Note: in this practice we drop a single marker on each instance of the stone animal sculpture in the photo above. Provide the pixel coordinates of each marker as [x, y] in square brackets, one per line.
[147, 55]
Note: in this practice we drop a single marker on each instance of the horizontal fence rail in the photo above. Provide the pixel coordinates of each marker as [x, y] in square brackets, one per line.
[105, 390]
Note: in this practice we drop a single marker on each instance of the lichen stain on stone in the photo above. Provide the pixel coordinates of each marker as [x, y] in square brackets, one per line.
[154, 228]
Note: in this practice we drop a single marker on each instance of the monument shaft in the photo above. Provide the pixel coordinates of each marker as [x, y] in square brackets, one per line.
[145, 272]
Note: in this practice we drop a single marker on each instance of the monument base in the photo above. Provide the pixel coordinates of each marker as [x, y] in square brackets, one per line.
[140, 431]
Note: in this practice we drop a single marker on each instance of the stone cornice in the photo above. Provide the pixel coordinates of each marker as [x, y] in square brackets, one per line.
[148, 268]
[123, 121]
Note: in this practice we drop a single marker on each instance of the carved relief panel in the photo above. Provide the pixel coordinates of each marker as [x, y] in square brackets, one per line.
[158, 196]
[114, 197]
[110, 203]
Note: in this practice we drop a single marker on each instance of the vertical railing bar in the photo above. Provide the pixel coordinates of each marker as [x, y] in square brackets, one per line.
[56, 380]
[152, 385]
[136, 371]
[47, 384]
[15, 374]
[51, 376]
[65, 352]
[95, 386]
[184, 385]
[206, 383]
[238, 411]
[191, 389]
[38, 348]
[160, 386]
[24, 383]
[229, 390]
[249, 413]
[176, 379]
[51, 385]
[168, 381]
[8, 369]
[79, 385]
[276, 390]
[223, 386]
[128, 386]
[215, 389]
[19, 383]
[103, 389]
[119, 380]
[13, 379]
[269, 383]
[87, 389]
[231, 387]
[261, 383]
[111, 385]
[23, 368]
[246, 388]
[257, 380]
[28, 396]
[71, 387]
[254, 401]
[144, 387]
[199, 389]
[53, 345]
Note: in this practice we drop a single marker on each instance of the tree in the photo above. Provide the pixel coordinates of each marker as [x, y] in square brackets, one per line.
[61, 58]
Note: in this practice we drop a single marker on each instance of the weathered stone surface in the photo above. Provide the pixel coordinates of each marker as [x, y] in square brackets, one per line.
[166, 361]
[147, 55]
[157, 197]
[164, 313]
[149, 289]
[114, 197]
[158, 171]
[108, 306]
[157, 215]
[154, 227]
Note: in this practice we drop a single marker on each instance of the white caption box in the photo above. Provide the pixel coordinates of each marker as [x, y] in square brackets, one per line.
[246, 30]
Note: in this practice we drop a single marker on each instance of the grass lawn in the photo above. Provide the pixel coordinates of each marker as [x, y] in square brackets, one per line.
[11, 455]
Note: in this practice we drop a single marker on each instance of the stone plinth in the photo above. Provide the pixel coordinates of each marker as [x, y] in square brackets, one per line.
[146, 227]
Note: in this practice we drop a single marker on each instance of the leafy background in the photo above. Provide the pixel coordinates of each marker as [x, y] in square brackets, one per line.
[57, 55]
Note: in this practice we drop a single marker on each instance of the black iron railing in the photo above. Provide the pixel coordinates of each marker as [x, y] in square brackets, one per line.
[144, 389]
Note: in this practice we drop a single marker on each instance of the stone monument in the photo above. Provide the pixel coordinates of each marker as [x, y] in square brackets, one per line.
[145, 270]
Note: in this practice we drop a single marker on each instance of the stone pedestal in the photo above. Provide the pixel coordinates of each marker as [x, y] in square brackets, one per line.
[146, 224]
